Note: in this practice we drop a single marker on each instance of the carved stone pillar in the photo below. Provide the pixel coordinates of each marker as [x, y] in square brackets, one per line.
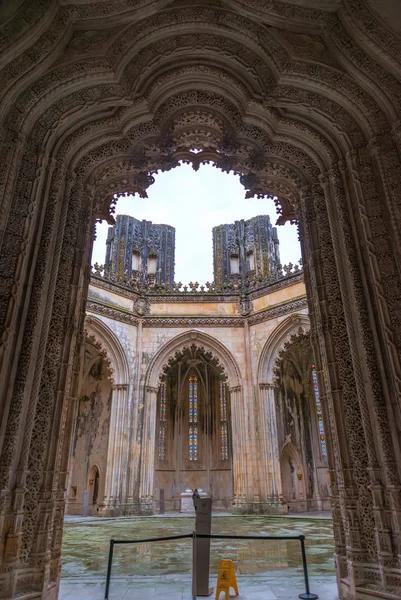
[117, 457]
[146, 489]
[322, 289]
[242, 499]
[269, 441]
[367, 467]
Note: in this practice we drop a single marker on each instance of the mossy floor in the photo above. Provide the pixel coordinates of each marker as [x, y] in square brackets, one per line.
[86, 545]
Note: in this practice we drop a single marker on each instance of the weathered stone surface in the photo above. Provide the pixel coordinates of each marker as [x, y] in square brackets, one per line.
[302, 100]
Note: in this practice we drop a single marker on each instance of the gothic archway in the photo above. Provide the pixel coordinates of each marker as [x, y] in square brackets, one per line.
[276, 342]
[293, 479]
[193, 429]
[267, 410]
[299, 418]
[197, 350]
[302, 101]
[99, 420]
[111, 346]
[93, 485]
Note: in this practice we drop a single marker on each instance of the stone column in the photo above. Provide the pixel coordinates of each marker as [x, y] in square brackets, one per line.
[241, 468]
[116, 465]
[269, 440]
[146, 489]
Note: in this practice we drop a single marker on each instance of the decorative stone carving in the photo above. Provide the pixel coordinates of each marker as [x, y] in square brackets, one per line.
[89, 113]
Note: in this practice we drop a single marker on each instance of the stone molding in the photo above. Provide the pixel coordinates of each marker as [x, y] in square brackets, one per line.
[193, 322]
[278, 311]
[195, 297]
[148, 321]
[121, 290]
[116, 314]
[151, 389]
[235, 389]
[279, 285]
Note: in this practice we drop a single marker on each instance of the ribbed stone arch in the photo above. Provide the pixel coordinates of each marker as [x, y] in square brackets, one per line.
[320, 114]
[170, 350]
[201, 340]
[275, 343]
[115, 352]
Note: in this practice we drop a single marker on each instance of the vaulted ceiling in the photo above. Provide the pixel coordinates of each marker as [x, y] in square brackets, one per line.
[276, 91]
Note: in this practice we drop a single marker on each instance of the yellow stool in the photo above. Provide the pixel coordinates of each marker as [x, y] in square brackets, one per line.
[226, 579]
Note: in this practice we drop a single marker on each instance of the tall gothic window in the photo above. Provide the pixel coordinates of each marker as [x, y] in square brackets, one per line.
[193, 419]
[162, 421]
[319, 411]
[223, 422]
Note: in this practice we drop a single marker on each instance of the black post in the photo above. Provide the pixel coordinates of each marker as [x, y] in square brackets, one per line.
[194, 561]
[108, 576]
[307, 595]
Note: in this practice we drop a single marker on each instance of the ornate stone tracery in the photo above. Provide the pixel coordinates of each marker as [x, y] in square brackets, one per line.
[302, 100]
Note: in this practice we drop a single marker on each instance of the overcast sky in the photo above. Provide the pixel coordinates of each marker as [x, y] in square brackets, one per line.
[194, 203]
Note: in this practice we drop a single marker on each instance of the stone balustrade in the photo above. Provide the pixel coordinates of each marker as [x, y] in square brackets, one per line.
[232, 286]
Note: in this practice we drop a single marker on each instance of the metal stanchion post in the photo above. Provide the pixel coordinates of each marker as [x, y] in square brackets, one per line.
[106, 594]
[194, 560]
[307, 595]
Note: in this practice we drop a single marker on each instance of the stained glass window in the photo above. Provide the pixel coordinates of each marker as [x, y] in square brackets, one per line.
[319, 411]
[162, 421]
[223, 422]
[193, 419]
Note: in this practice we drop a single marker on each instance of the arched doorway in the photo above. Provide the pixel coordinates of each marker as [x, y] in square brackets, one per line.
[193, 431]
[304, 102]
[292, 479]
[93, 489]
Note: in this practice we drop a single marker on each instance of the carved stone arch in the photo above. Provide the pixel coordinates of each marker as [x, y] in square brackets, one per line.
[291, 450]
[212, 350]
[296, 480]
[275, 343]
[57, 111]
[92, 340]
[203, 341]
[110, 343]
[92, 471]
[93, 484]
[301, 336]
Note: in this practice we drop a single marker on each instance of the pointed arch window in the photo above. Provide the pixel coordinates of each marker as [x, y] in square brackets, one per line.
[162, 421]
[223, 422]
[322, 435]
[193, 419]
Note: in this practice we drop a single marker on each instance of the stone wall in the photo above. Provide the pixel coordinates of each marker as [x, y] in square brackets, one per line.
[243, 341]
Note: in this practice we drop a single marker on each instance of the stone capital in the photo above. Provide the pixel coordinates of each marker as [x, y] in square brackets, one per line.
[119, 386]
[267, 386]
[235, 389]
[152, 390]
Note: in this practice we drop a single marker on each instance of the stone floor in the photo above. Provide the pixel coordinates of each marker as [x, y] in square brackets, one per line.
[167, 588]
[265, 569]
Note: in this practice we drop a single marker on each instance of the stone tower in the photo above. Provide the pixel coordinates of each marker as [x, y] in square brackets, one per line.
[245, 250]
[140, 250]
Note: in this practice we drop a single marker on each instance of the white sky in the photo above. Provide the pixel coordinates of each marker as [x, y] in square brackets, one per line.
[194, 203]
